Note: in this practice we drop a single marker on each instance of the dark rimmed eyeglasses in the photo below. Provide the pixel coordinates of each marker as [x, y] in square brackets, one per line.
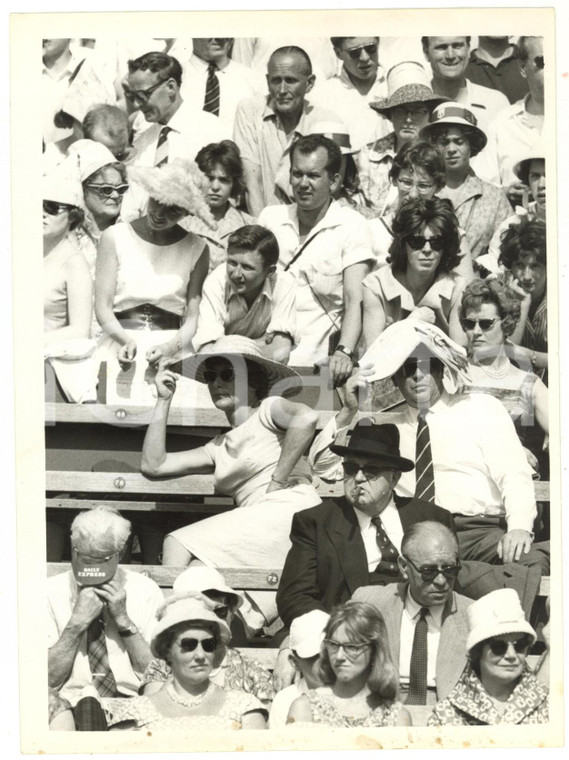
[54, 209]
[350, 650]
[499, 647]
[356, 52]
[143, 96]
[190, 645]
[416, 242]
[485, 324]
[426, 365]
[412, 112]
[106, 191]
[225, 375]
[369, 472]
[430, 572]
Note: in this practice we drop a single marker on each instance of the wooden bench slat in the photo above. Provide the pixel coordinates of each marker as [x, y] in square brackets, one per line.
[222, 504]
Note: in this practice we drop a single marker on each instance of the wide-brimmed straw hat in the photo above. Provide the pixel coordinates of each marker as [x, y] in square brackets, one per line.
[63, 184]
[91, 157]
[189, 608]
[236, 349]
[176, 183]
[406, 339]
[202, 578]
[407, 82]
[337, 132]
[379, 442]
[536, 152]
[496, 614]
[461, 116]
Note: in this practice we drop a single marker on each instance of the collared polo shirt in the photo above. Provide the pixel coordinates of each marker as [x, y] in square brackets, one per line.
[505, 76]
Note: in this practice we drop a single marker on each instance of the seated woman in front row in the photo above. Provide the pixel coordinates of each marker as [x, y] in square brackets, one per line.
[361, 680]
[248, 296]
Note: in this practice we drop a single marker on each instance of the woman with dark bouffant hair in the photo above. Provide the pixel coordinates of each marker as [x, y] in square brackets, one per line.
[419, 281]
[221, 163]
[361, 681]
[523, 255]
[489, 313]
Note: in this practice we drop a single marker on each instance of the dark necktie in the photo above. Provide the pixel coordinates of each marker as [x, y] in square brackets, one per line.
[211, 100]
[98, 656]
[389, 553]
[424, 473]
[418, 668]
[161, 155]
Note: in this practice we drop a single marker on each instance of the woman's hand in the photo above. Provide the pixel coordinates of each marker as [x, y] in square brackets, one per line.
[127, 354]
[165, 382]
[514, 285]
[162, 351]
[424, 313]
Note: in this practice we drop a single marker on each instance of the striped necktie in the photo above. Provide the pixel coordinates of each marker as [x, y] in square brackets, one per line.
[98, 657]
[419, 662]
[161, 155]
[424, 473]
[211, 100]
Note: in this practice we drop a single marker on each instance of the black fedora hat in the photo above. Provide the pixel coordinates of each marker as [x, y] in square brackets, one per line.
[379, 442]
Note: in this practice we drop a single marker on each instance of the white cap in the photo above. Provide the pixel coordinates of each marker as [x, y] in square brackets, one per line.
[307, 633]
[202, 578]
[91, 156]
[63, 184]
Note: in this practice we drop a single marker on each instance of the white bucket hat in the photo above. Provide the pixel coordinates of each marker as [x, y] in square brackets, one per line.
[337, 132]
[307, 633]
[202, 578]
[91, 156]
[538, 151]
[457, 114]
[496, 614]
[236, 348]
[189, 608]
[63, 184]
[407, 82]
[400, 340]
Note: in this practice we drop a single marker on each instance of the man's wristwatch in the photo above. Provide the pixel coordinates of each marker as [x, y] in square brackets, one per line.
[345, 350]
[125, 633]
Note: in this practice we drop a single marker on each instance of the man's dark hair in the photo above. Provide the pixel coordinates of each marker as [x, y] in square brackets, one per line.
[293, 50]
[158, 63]
[337, 41]
[253, 237]
[310, 143]
[521, 240]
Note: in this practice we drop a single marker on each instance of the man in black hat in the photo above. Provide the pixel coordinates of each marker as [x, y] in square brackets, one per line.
[353, 541]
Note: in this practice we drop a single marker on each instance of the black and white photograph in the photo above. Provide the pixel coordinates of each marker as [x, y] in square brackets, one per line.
[288, 442]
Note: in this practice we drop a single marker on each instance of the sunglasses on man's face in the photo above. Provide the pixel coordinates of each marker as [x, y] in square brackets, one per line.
[356, 52]
[499, 647]
[225, 375]
[370, 472]
[190, 645]
[54, 209]
[105, 191]
[485, 324]
[416, 242]
[142, 96]
[429, 572]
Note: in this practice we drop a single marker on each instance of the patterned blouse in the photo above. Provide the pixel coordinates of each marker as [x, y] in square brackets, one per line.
[236, 672]
[468, 704]
[324, 711]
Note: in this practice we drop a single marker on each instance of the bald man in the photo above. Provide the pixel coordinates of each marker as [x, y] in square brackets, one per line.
[429, 564]
[266, 127]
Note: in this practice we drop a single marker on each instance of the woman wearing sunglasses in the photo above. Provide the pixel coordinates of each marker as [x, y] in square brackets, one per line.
[258, 463]
[193, 640]
[496, 687]
[150, 273]
[489, 313]
[419, 281]
[361, 681]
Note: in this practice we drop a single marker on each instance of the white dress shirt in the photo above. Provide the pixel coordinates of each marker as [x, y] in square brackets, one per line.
[409, 619]
[392, 525]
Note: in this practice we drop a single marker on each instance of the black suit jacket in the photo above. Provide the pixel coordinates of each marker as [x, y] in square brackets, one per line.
[327, 561]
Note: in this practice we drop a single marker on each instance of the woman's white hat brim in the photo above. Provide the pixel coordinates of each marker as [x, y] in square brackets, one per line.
[188, 609]
[202, 578]
[496, 614]
[237, 348]
[91, 156]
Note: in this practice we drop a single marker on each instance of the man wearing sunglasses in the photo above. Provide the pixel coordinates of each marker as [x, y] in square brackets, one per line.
[516, 130]
[360, 82]
[100, 616]
[429, 565]
[341, 544]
